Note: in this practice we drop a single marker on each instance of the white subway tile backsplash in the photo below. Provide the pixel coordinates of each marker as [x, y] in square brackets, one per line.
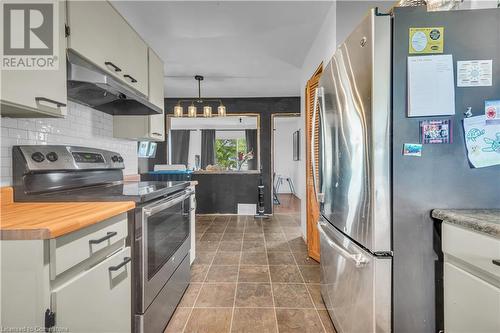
[82, 126]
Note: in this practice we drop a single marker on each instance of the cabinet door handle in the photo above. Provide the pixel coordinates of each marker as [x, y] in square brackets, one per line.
[130, 77]
[125, 261]
[156, 133]
[45, 99]
[110, 64]
[102, 239]
[496, 262]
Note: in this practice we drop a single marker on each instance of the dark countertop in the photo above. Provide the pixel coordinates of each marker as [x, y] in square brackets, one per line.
[486, 221]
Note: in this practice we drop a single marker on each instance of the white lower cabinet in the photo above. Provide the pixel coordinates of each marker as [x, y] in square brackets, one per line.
[471, 304]
[471, 281]
[98, 300]
[83, 278]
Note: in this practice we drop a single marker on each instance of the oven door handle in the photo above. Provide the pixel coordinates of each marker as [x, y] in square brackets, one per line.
[164, 204]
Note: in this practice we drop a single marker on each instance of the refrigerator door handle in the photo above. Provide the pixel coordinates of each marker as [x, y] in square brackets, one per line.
[359, 260]
[318, 92]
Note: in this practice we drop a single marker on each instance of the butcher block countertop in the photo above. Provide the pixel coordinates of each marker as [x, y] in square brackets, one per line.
[29, 221]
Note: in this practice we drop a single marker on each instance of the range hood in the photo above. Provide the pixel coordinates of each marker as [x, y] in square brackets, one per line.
[92, 86]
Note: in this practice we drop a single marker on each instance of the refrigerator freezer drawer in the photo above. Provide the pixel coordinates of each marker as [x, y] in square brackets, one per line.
[355, 285]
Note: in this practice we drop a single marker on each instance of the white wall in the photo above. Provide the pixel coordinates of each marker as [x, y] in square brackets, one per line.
[82, 126]
[284, 165]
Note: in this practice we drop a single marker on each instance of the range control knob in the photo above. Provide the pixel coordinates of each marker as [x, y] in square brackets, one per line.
[120, 159]
[52, 156]
[114, 158]
[37, 157]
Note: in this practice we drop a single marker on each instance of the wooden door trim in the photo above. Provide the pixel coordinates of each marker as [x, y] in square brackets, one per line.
[312, 208]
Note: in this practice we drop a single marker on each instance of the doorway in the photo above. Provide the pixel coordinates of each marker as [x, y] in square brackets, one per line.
[286, 163]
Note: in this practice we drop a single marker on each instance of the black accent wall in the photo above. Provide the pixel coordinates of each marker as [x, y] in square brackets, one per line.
[220, 193]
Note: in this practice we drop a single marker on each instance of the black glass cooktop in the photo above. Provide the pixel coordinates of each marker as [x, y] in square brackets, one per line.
[118, 191]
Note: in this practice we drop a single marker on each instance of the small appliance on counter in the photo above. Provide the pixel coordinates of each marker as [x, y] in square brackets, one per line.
[159, 226]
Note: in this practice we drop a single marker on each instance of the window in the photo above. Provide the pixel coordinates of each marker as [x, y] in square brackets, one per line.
[231, 152]
[215, 144]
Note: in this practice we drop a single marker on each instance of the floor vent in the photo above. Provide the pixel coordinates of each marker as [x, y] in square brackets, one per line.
[247, 209]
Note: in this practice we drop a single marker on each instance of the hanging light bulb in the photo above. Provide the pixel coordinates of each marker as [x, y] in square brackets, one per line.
[192, 111]
[178, 111]
[207, 111]
[221, 110]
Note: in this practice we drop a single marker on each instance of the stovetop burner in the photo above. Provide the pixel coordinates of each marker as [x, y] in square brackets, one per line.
[79, 174]
[138, 192]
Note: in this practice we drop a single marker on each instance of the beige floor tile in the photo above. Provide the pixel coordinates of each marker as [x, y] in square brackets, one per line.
[254, 295]
[209, 321]
[315, 291]
[327, 322]
[238, 219]
[287, 295]
[190, 295]
[247, 320]
[204, 257]
[253, 258]
[216, 295]
[253, 274]
[253, 230]
[275, 236]
[222, 219]
[285, 274]
[235, 228]
[178, 320]
[230, 246]
[211, 236]
[298, 245]
[207, 245]
[254, 237]
[253, 245]
[222, 274]
[280, 258]
[310, 273]
[233, 236]
[199, 272]
[298, 321]
[216, 228]
[277, 246]
[304, 259]
[227, 258]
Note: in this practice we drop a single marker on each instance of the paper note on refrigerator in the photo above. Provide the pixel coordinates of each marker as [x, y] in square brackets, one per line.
[482, 141]
[431, 86]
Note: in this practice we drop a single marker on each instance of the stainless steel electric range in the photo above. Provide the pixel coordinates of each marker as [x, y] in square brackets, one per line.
[159, 227]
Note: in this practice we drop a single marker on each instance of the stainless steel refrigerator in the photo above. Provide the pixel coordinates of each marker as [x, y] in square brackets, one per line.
[380, 255]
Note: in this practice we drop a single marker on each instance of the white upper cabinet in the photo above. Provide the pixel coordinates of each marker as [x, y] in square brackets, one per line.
[149, 128]
[37, 93]
[156, 96]
[100, 34]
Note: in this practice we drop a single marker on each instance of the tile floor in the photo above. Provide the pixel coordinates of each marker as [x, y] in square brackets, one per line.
[251, 276]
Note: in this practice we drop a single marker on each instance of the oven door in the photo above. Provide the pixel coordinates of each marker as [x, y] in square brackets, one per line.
[165, 242]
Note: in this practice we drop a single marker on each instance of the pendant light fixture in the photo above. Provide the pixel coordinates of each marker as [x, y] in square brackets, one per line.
[221, 110]
[193, 110]
[207, 111]
[178, 110]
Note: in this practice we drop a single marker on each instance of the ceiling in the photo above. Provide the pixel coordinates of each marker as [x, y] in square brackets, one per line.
[243, 48]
